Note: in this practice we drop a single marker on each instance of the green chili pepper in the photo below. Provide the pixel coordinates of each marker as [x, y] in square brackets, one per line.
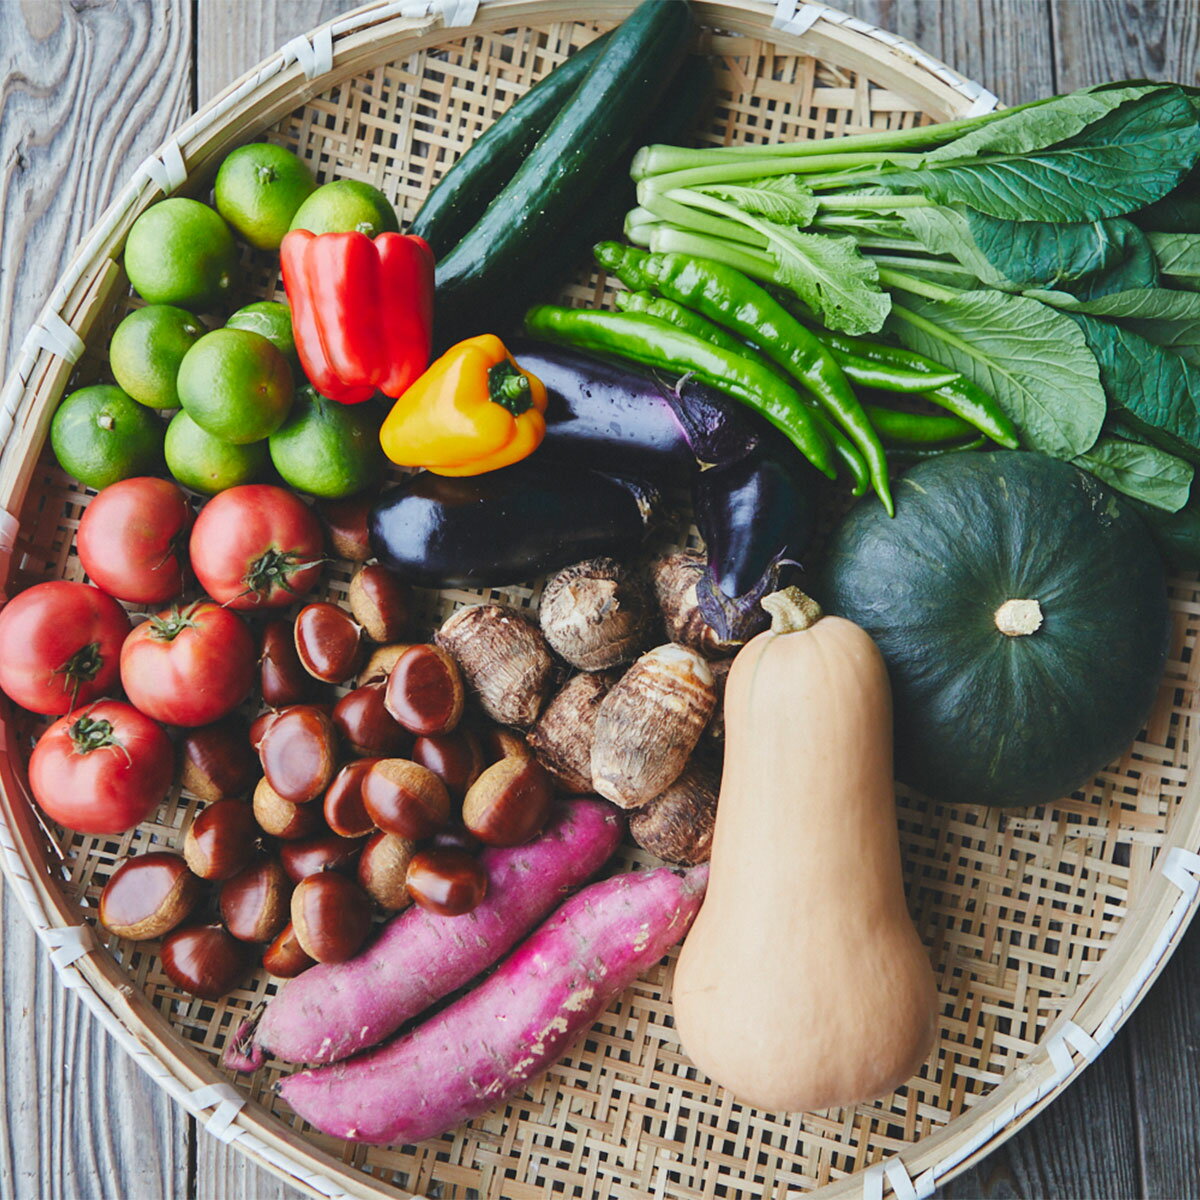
[911, 454]
[725, 295]
[654, 343]
[884, 355]
[917, 429]
[977, 408]
[847, 455]
[681, 318]
[865, 373]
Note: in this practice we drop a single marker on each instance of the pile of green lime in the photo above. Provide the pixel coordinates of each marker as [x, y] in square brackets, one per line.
[232, 383]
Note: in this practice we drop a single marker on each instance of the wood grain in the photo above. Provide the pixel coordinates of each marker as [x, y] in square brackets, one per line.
[86, 92]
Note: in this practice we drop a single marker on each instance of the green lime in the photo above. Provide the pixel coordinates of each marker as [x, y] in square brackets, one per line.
[146, 350]
[271, 319]
[205, 463]
[236, 385]
[180, 251]
[346, 205]
[101, 435]
[258, 190]
[328, 449]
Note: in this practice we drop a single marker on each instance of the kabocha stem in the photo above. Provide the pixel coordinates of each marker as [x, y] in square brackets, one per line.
[1018, 618]
[792, 611]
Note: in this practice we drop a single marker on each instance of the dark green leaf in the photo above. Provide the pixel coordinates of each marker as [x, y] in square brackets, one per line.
[1178, 257]
[1144, 472]
[1032, 359]
[832, 278]
[1177, 212]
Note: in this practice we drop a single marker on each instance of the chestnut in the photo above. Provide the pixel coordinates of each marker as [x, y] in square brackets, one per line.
[148, 896]
[218, 762]
[328, 642]
[325, 852]
[284, 957]
[254, 903]
[382, 869]
[448, 882]
[425, 690]
[282, 679]
[455, 838]
[509, 803]
[404, 797]
[500, 742]
[299, 753]
[344, 810]
[205, 960]
[455, 758]
[259, 727]
[331, 916]
[380, 603]
[281, 818]
[381, 661]
[366, 727]
[221, 840]
[346, 522]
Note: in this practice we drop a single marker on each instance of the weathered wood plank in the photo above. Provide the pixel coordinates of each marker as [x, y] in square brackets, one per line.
[86, 92]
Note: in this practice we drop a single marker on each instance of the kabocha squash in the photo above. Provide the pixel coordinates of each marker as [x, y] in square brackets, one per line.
[1022, 612]
[803, 984]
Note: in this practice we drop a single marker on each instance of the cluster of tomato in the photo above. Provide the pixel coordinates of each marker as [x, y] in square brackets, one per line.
[65, 647]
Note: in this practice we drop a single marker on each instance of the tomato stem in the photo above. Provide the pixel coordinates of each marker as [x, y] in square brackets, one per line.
[88, 734]
[168, 627]
[273, 569]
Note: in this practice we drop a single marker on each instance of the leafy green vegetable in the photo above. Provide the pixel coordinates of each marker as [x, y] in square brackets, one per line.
[1178, 212]
[1178, 256]
[782, 198]
[1030, 358]
[1155, 392]
[1177, 534]
[1144, 472]
[1124, 161]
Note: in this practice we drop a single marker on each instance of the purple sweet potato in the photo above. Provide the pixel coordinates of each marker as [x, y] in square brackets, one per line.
[510, 1027]
[336, 1009]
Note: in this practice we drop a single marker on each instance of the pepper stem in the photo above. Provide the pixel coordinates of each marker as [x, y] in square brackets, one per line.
[508, 388]
[1018, 618]
[791, 610]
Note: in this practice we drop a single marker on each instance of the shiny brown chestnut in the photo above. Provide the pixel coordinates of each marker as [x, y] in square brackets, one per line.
[343, 806]
[381, 661]
[456, 838]
[404, 797]
[425, 690]
[221, 840]
[148, 896]
[328, 642]
[509, 803]
[455, 758]
[447, 882]
[367, 728]
[331, 916]
[281, 818]
[383, 869]
[205, 960]
[325, 852]
[284, 957]
[254, 903]
[346, 522]
[380, 603]
[259, 727]
[298, 752]
[500, 742]
[218, 762]
[282, 679]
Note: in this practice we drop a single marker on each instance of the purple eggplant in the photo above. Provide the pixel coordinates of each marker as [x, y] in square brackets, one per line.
[505, 526]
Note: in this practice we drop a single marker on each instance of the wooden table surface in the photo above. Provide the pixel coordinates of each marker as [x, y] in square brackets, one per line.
[90, 87]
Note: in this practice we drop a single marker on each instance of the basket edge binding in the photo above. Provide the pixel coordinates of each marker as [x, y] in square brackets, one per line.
[54, 344]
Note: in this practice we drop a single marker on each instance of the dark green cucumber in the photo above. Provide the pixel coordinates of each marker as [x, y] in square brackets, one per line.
[463, 193]
[582, 146]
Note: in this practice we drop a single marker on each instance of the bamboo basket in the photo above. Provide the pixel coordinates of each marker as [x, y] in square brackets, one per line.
[1046, 925]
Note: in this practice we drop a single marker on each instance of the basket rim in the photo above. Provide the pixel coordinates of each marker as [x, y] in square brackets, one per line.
[303, 68]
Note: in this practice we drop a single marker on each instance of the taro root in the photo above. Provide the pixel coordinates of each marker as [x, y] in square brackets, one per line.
[649, 723]
[595, 614]
[379, 601]
[218, 760]
[504, 659]
[147, 896]
[675, 577]
[382, 869]
[562, 737]
[677, 824]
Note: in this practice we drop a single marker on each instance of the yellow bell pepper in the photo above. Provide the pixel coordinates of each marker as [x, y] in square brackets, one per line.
[474, 410]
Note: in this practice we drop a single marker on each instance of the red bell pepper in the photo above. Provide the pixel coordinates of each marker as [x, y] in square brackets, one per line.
[362, 310]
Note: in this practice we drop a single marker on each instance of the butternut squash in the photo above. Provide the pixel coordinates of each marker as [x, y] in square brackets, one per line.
[803, 984]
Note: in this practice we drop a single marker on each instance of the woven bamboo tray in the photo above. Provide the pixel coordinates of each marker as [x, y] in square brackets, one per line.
[1045, 925]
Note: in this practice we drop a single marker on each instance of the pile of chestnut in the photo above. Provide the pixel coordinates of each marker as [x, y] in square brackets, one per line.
[359, 806]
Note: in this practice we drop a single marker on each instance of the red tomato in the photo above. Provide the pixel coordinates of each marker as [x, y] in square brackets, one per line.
[130, 539]
[103, 769]
[189, 666]
[256, 546]
[60, 646]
